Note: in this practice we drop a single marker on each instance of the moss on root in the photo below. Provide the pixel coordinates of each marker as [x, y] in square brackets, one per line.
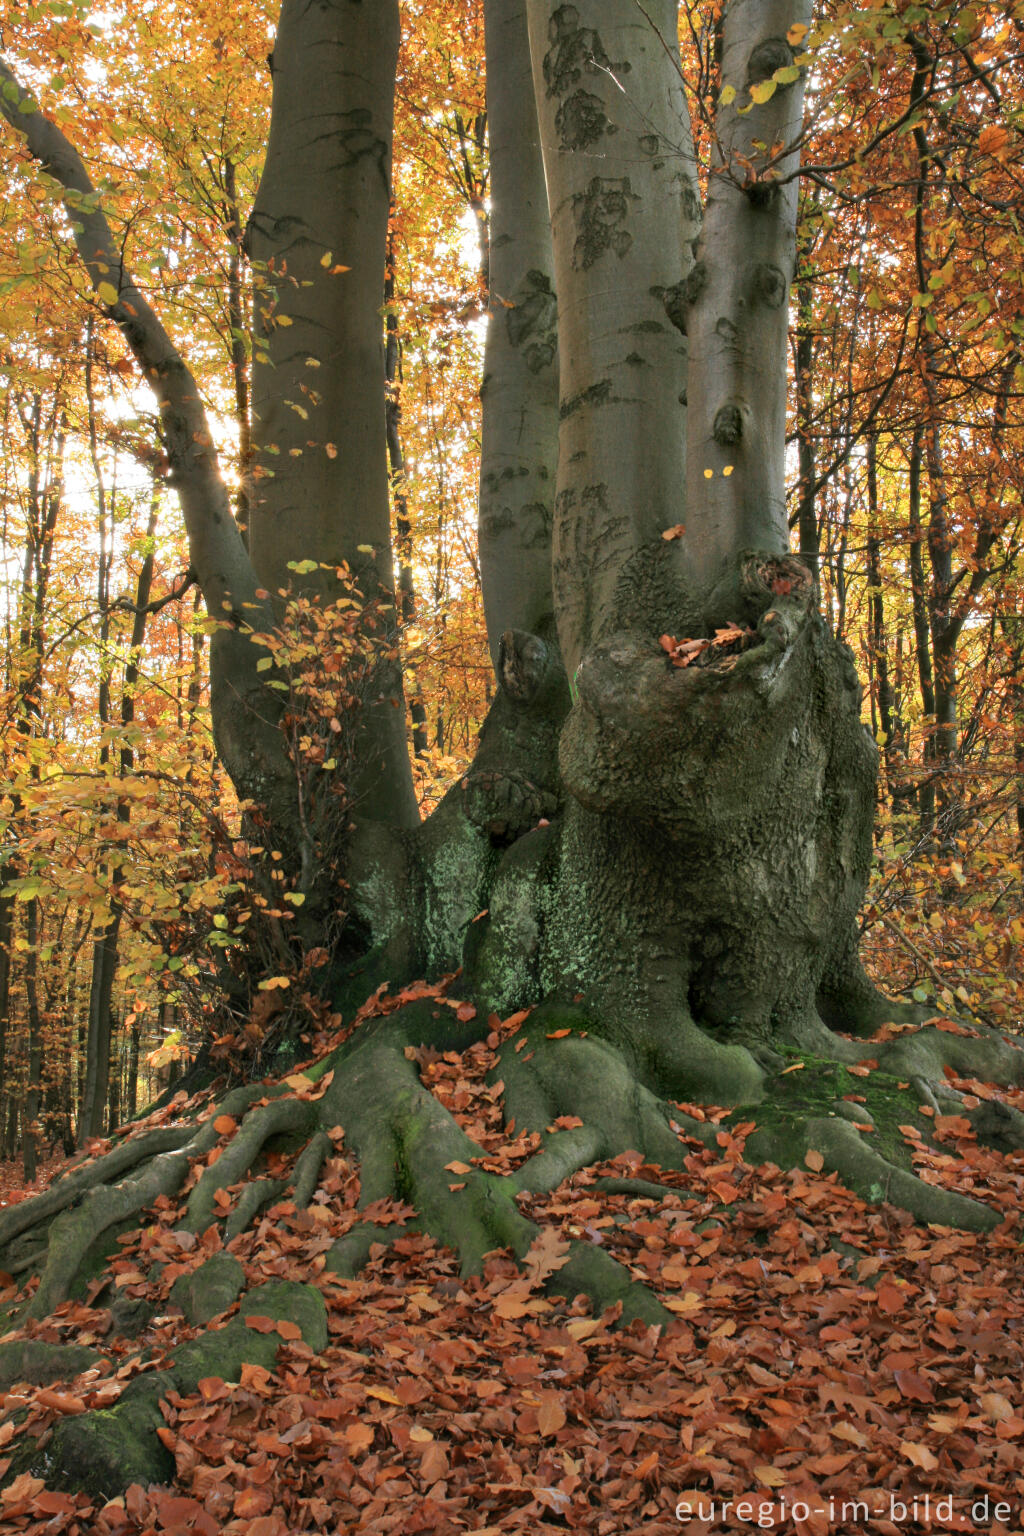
[101, 1453]
[573, 1062]
[812, 1088]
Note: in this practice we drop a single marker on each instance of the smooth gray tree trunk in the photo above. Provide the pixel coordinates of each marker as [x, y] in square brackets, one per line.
[520, 382]
[318, 240]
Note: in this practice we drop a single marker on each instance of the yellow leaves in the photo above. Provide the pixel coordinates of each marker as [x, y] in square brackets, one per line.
[763, 91]
[271, 983]
[107, 294]
[796, 34]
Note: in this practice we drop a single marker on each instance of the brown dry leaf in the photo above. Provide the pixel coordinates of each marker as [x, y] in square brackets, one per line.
[919, 1454]
[225, 1125]
[299, 1082]
[691, 1302]
[434, 1463]
[890, 1298]
[60, 1402]
[550, 1414]
[771, 1477]
[385, 1395]
[546, 1253]
[814, 1160]
[359, 1438]
[580, 1328]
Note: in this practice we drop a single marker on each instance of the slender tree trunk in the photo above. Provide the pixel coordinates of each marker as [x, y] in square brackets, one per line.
[33, 1094]
[399, 492]
[6, 942]
[132, 1076]
[878, 638]
[922, 628]
[738, 316]
[519, 452]
[807, 517]
[104, 953]
[238, 319]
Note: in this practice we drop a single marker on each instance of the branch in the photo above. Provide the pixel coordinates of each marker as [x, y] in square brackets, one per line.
[175, 593]
[218, 554]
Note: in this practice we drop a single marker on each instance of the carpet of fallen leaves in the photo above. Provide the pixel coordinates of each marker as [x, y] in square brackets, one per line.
[822, 1351]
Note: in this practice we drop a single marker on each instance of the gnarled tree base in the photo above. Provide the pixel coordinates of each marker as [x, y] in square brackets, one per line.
[568, 1085]
[668, 915]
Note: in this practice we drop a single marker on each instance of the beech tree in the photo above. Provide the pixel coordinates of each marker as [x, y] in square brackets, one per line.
[659, 852]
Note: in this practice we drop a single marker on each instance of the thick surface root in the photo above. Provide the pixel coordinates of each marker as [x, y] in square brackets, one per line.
[574, 1099]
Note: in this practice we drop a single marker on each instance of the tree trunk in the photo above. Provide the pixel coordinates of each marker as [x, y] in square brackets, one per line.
[624, 213]
[738, 313]
[878, 639]
[520, 382]
[400, 494]
[33, 1094]
[318, 237]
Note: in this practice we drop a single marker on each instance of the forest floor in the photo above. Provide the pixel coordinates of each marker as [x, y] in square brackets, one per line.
[830, 1367]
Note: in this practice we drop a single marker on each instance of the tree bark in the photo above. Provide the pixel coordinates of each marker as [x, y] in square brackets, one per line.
[624, 210]
[519, 453]
[318, 239]
[738, 313]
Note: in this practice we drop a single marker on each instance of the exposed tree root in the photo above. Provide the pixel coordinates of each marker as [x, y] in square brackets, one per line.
[585, 1092]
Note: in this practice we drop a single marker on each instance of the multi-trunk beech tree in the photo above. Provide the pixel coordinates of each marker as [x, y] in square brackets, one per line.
[663, 842]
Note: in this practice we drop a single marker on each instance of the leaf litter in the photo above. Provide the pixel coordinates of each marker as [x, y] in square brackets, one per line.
[820, 1349]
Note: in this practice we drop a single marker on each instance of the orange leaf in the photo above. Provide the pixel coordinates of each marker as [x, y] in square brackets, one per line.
[919, 1454]
[225, 1125]
[260, 1324]
[550, 1414]
[889, 1298]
